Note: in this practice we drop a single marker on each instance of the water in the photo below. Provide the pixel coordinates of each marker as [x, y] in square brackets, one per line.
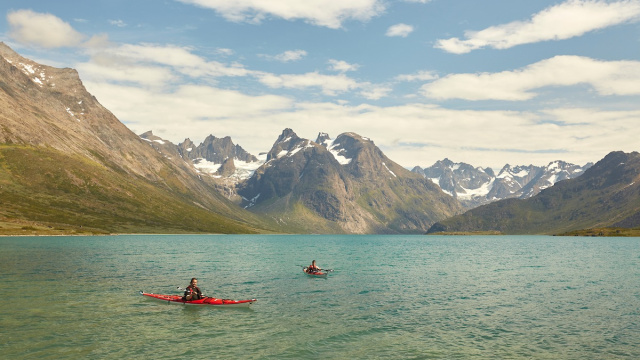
[405, 297]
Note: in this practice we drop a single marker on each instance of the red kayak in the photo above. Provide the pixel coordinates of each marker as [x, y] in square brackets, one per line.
[177, 299]
[314, 273]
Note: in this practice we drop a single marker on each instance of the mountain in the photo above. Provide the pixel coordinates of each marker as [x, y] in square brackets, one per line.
[475, 186]
[222, 162]
[344, 185]
[606, 195]
[68, 164]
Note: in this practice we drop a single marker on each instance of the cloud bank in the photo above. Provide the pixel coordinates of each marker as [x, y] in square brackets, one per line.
[328, 13]
[43, 30]
[569, 19]
[606, 77]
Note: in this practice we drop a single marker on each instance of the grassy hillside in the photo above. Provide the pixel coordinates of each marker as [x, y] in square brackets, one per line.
[45, 191]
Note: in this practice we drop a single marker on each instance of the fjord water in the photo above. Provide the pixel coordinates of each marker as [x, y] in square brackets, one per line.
[405, 297]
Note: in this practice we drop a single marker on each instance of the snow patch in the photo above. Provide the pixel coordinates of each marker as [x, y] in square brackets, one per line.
[385, 166]
[342, 160]
[480, 191]
[27, 69]
[206, 166]
[522, 173]
[244, 169]
[71, 113]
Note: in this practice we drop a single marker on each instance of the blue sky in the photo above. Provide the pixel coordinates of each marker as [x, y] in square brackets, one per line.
[482, 82]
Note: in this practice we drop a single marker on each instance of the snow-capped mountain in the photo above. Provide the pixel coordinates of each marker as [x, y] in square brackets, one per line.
[345, 185]
[475, 186]
[216, 157]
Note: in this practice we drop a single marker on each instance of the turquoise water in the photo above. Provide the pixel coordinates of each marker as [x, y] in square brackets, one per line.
[404, 297]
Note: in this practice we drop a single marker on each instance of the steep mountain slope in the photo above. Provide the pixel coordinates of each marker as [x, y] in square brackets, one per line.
[345, 185]
[476, 186]
[607, 194]
[66, 161]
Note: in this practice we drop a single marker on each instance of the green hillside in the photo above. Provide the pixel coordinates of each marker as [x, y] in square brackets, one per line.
[45, 191]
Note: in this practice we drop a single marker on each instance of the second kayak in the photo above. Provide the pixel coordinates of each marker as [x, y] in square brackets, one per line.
[314, 273]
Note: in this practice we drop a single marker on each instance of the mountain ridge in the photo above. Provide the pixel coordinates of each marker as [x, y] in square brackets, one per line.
[606, 195]
[475, 186]
[47, 111]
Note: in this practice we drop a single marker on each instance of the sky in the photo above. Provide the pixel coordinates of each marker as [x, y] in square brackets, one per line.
[487, 83]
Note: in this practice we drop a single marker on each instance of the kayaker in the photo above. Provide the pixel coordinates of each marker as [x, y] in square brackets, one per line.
[193, 291]
[313, 267]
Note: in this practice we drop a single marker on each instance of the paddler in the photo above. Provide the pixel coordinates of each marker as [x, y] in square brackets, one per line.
[192, 292]
[313, 267]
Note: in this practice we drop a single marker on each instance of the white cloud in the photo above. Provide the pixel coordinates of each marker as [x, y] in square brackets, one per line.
[419, 76]
[413, 134]
[118, 23]
[40, 29]
[151, 63]
[105, 68]
[287, 56]
[606, 77]
[402, 30]
[563, 21]
[195, 111]
[330, 84]
[342, 66]
[328, 13]
[225, 52]
[375, 92]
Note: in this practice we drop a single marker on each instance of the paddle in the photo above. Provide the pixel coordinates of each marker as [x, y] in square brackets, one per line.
[325, 270]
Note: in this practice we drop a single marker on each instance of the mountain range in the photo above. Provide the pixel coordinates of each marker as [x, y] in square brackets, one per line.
[345, 185]
[606, 195]
[475, 186]
[68, 165]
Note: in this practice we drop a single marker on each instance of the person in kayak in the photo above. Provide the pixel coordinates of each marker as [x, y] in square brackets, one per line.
[313, 267]
[193, 291]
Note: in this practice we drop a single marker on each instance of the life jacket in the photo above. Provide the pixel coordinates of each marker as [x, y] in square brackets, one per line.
[197, 294]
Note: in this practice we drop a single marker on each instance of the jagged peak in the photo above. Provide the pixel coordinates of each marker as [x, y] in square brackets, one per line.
[288, 143]
[287, 135]
[323, 138]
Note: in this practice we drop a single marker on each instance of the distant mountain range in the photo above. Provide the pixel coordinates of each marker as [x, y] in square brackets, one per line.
[474, 186]
[67, 165]
[606, 195]
[346, 185]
